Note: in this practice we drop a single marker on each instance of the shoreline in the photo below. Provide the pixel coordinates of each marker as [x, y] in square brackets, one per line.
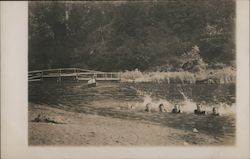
[94, 130]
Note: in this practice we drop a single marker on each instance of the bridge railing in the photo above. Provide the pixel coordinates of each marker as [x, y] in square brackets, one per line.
[77, 73]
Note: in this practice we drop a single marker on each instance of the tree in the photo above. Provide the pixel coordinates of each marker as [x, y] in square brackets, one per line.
[125, 35]
[192, 61]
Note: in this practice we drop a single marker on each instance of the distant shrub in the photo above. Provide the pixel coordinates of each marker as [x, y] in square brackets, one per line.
[192, 60]
[131, 75]
[225, 75]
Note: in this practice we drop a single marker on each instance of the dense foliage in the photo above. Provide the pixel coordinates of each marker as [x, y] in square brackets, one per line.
[118, 36]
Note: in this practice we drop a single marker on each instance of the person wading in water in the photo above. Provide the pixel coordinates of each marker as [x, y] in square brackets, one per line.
[176, 109]
[148, 107]
[199, 109]
[161, 108]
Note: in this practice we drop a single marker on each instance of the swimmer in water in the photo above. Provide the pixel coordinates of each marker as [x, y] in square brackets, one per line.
[176, 109]
[199, 109]
[161, 108]
[148, 107]
[215, 111]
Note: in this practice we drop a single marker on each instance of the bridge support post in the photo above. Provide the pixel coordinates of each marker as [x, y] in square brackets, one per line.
[42, 76]
[76, 77]
[59, 77]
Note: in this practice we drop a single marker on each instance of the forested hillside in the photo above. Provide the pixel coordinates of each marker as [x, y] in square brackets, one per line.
[118, 36]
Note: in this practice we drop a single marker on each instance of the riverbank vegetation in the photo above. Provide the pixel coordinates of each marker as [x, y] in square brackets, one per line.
[125, 35]
[210, 76]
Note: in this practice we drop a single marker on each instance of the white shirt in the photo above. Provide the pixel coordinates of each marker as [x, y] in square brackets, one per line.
[91, 81]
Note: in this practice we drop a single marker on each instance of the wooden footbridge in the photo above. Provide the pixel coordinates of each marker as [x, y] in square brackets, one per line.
[76, 74]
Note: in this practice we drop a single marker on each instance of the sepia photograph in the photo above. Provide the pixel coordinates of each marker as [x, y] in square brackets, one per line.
[132, 73]
[134, 79]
